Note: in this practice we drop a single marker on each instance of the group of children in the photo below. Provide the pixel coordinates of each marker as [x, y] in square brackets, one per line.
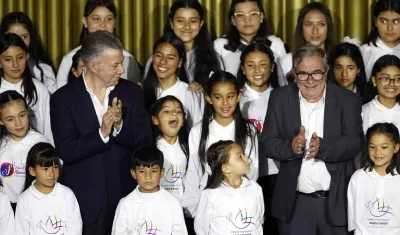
[207, 101]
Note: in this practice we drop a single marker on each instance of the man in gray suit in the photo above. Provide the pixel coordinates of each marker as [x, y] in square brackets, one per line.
[315, 130]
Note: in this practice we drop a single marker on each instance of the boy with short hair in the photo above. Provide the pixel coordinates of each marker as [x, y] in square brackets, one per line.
[149, 209]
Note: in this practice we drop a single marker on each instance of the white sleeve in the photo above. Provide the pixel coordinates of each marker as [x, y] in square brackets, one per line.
[63, 71]
[253, 156]
[42, 113]
[261, 206]
[22, 222]
[179, 226]
[351, 203]
[132, 72]
[366, 54]
[73, 216]
[120, 224]
[7, 221]
[191, 195]
[195, 103]
[203, 214]
[281, 76]
[49, 77]
[277, 46]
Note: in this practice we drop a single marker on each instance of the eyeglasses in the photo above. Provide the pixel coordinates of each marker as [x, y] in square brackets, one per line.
[316, 76]
[387, 80]
[243, 16]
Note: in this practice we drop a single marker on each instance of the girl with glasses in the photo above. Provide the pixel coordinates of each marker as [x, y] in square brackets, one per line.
[384, 94]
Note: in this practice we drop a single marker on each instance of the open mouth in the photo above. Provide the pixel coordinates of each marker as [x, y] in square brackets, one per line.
[173, 123]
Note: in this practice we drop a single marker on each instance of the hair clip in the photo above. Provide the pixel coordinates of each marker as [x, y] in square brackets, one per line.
[353, 41]
[208, 169]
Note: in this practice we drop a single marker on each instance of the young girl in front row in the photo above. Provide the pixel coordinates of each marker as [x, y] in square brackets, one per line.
[230, 203]
[171, 138]
[16, 138]
[46, 206]
[257, 77]
[222, 120]
[7, 223]
[373, 193]
[384, 94]
[15, 75]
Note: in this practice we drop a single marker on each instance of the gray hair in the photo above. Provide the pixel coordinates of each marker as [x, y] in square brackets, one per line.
[309, 51]
[94, 44]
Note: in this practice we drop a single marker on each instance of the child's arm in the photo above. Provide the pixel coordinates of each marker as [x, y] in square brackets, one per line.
[203, 214]
[261, 206]
[179, 226]
[120, 224]
[73, 216]
[22, 222]
[7, 223]
[351, 195]
[253, 156]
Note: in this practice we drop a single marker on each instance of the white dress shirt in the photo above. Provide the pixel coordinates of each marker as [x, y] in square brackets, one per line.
[314, 175]
[101, 108]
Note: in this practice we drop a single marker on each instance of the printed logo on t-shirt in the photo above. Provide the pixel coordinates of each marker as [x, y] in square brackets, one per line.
[257, 123]
[51, 225]
[11, 169]
[243, 222]
[173, 174]
[7, 169]
[381, 214]
[148, 228]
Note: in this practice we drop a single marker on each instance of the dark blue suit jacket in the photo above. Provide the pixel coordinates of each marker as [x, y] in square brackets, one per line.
[90, 167]
[342, 141]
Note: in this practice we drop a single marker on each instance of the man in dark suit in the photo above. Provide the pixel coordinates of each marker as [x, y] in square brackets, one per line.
[97, 122]
[315, 130]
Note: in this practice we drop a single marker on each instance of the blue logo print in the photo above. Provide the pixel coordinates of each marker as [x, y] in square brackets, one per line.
[379, 208]
[173, 174]
[242, 219]
[52, 225]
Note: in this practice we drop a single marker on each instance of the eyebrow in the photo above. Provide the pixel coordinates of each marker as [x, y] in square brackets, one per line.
[159, 52]
[252, 10]
[383, 18]
[230, 93]
[389, 75]
[181, 17]
[17, 114]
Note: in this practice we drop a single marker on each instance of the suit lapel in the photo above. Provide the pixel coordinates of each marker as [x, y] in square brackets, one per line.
[294, 103]
[330, 111]
[87, 110]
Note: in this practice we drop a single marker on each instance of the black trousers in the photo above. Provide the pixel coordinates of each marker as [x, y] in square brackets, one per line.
[310, 218]
[267, 184]
[103, 224]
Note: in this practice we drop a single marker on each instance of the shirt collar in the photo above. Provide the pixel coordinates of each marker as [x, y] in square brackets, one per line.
[147, 197]
[374, 174]
[108, 90]
[40, 195]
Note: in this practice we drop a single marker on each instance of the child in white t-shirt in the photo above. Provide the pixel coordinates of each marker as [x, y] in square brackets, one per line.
[7, 223]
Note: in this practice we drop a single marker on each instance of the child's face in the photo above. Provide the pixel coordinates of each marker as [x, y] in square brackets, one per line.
[388, 25]
[247, 25]
[345, 70]
[13, 62]
[148, 178]
[21, 31]
[186, 24]
[257, 67]
[315, 28]
[166, 61]
[238, 164]
[15, 118]
[381, 149]
[101, 19]
[46, 177]
[79, 68]
[169, 119]
[224, 98]
[385, 82]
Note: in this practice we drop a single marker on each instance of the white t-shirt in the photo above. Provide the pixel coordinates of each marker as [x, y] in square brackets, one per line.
[285, 65]
[196, 179]
[374, 112]
[54, 213]
[372, 53]
[175, 163]
[373, 203]
[13, 161]
[7, 222]
[40, 117]
[231, 59]
[254, 106]
[149, 213]
[225, 210]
